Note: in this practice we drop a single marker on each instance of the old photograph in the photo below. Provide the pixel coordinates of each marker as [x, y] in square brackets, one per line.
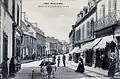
[59, 39]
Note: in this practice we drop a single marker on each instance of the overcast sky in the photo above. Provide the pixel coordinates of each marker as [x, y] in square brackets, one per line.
[54, 22]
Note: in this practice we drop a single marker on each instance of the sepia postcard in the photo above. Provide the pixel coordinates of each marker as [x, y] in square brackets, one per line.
[59, 39]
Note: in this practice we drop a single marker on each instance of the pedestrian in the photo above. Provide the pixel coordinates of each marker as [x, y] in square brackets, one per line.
[111, 70]
[58, 59]
[80, 67]
[64, 58]
[33, 56]
[4, 67]
[12, 67]
[54, 58]
[49, 70]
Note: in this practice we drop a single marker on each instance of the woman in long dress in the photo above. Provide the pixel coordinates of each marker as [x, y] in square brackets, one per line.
[80, 67]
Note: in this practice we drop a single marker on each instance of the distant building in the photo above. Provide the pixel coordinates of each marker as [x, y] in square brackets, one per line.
[41, 42]
[29, 41]
[65, 48]
[53, 46]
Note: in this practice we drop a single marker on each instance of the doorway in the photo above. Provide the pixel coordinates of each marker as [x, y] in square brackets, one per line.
[5, 45]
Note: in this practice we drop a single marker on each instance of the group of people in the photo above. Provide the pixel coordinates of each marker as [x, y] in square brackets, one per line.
[4, 67]
[51, 69]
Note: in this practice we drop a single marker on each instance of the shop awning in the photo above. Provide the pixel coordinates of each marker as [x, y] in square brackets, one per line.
[75, 50]
[103, 42]
[90, 45]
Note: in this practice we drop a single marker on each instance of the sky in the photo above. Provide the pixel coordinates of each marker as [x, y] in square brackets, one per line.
[55, 22]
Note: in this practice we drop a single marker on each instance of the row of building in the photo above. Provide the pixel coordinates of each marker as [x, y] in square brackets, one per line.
[96, 33]
[21, 39]
[35, 42]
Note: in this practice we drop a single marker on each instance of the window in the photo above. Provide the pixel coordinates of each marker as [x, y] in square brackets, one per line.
[18, 15]
[79, 34]
[88, 29]
[92, 27]
[13, 9]
[6, 4]
[83, 32]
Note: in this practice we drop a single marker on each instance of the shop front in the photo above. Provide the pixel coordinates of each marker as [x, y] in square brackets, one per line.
[104, 52]
[74, 54]
[88, 52]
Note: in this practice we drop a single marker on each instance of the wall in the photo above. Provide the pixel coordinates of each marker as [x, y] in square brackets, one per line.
[6, 26]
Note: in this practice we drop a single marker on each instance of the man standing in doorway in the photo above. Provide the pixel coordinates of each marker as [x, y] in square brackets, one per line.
[64, 58]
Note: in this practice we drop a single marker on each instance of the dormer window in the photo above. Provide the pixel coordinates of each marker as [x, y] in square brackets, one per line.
[81, 14]
[28, 25]
[78, 15]
[90, 4]
[85, 9]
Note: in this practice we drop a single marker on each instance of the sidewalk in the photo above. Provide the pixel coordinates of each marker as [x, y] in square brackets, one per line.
[93, 71]
[28, 61]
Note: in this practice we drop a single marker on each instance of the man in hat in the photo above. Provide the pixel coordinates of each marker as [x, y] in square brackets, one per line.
[4, 67]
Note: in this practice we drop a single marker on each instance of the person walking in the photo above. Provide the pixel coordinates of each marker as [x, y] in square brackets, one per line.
[4, 67]
[49, 70]
[64, 58]
[58, 59]
[80, 67]
[12, 67]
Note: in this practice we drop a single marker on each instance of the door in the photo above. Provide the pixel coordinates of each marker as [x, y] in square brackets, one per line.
[5, 45]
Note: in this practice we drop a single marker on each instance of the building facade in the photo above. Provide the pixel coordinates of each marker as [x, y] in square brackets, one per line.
[10, 11]
[29, 41]
[41, 42]
[97, 33]
[53, 46]
[83, 29]
[107, 28]
[65, 49]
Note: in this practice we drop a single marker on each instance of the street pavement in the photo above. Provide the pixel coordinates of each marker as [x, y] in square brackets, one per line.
[61, 73]
[67, 72]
